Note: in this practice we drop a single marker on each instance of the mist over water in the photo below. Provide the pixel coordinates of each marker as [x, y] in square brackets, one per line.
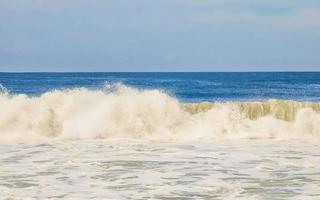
[160, 136]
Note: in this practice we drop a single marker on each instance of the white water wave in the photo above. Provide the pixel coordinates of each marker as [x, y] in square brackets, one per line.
[123, 112]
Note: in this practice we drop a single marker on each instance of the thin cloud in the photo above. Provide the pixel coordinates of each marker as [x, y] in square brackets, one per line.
[304, 19]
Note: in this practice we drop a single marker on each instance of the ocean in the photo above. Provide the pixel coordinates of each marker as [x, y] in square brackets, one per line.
[160, 135]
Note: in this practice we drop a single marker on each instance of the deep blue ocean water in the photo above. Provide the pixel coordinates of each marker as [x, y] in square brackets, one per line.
[188, 87]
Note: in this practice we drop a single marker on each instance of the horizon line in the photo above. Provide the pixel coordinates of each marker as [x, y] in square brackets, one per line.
[249, 71]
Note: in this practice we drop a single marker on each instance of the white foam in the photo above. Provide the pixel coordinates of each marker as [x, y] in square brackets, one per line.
[124, 112]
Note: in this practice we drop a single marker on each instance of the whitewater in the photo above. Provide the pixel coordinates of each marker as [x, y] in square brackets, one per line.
[119, 111]
[160, 136]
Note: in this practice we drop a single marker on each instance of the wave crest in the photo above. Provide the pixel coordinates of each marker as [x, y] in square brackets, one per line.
[119, 111]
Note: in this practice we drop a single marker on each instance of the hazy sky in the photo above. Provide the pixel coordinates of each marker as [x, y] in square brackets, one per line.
[159, 35]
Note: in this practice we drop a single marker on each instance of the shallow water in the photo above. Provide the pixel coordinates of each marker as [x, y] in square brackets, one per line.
[131, 169]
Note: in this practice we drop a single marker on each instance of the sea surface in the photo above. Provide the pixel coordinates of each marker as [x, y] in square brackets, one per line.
[160, 136]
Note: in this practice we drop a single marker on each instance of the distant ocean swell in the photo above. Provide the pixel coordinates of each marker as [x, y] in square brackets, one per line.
[118, 111]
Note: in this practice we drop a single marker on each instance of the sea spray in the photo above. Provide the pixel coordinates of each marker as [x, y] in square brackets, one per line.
[3, 90]
[124, 112]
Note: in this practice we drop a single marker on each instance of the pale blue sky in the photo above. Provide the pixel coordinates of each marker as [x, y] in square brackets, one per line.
[159, 35]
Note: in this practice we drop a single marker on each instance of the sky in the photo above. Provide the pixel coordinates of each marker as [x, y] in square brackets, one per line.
[159, 35]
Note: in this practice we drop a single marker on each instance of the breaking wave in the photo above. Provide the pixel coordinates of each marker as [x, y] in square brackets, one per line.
[119, 111]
